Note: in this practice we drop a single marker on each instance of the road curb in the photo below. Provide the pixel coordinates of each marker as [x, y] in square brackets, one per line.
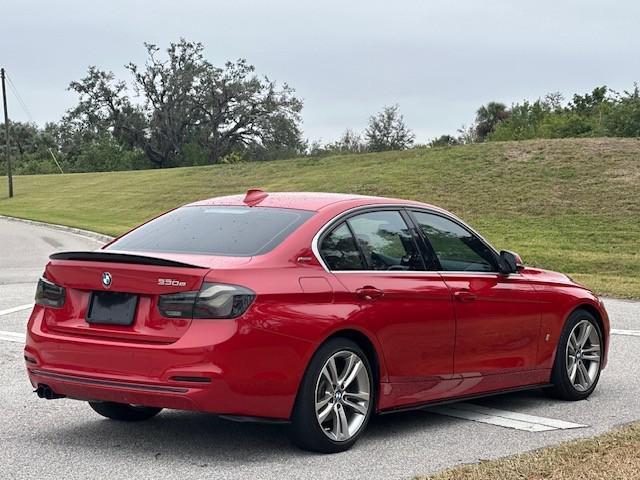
[76, 231]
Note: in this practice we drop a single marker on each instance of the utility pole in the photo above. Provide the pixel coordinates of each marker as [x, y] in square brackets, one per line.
[6, 129]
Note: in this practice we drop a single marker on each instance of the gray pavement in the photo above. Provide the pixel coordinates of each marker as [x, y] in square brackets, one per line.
[66, 439]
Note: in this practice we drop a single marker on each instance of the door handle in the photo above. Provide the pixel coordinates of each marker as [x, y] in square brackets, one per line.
[369, 293]
[465, 296]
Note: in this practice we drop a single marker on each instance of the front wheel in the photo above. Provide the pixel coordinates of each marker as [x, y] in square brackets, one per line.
[335, 400]
[576, 369]
[124, 412]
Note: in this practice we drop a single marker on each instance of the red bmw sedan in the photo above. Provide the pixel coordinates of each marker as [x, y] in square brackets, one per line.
[314, 309]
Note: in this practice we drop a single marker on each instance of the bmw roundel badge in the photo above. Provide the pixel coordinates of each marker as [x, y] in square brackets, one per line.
[106, 279]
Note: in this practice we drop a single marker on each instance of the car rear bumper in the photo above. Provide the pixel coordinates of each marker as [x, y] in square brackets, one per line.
[223, 367]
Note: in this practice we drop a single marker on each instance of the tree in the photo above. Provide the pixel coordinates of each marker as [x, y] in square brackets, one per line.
[242, 111]
[104, 108]
[350, 142]
[29, 146]
[589, 103]
[488, 116]
[169, 88]
[467, 134]
[623, 118]
[26, 138]
[388, 131]
[185, 100]
[444, 141]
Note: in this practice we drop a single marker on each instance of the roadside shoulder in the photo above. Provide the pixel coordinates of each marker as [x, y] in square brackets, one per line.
[76, 231]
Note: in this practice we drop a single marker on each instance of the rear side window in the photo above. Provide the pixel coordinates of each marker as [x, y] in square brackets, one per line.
[371, 241]
[215, 230]
[339, 250]
[386, 241]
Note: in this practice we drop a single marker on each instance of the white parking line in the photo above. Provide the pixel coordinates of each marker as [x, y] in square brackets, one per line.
[502, 418]
[15, 309]
[12, 336]
[633, 333]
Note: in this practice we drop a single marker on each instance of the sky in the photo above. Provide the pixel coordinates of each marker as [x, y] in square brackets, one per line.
[438, 60]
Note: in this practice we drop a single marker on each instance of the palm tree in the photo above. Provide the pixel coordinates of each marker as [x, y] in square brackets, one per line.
[488, 116]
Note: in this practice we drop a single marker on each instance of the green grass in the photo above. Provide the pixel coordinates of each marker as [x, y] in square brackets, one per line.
[571, 205]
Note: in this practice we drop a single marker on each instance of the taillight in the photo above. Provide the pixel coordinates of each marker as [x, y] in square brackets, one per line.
[49, 294]
[214, 300]
[177, 305]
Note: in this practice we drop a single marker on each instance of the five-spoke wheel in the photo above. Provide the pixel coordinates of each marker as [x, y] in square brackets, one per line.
[343, 391]
[583, 355]
[578, 358]
[335, 400]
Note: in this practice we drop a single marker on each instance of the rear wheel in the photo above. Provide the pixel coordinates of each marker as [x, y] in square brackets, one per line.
[335, 400]
[124, 412]
[576, 370]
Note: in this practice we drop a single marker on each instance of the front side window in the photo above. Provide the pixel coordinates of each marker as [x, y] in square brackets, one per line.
[215, 230]
[457, 248]
[386, 241]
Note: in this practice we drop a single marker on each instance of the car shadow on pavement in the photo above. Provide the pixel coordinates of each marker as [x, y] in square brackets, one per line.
[205, 439]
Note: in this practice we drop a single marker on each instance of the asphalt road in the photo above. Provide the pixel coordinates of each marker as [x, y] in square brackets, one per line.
[66, 439]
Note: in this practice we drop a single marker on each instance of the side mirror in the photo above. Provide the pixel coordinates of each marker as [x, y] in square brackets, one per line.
[510, 262]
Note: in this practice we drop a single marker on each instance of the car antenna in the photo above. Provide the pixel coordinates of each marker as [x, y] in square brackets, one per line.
[254, 196]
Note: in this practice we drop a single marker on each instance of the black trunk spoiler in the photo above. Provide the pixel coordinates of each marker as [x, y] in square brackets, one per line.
[120, 258]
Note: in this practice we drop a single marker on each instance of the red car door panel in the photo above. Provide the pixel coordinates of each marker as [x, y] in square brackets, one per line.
[413, 320]
[497, 323]
[497, 315]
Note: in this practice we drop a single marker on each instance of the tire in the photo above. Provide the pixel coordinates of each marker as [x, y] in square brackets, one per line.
[570, 356]
[346, 409]
[124, 412]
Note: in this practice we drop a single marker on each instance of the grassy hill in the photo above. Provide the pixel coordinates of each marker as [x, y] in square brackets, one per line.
[571, 205]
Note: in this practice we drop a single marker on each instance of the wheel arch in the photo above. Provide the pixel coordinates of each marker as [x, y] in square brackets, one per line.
[368, 346]
[597, 314]
[592, 310]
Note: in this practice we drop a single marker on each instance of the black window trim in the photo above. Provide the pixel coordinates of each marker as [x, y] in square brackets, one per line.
[328, 227]
[363, 257]
[424, 245]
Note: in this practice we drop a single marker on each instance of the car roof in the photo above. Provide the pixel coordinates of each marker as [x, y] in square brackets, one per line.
[314, 201]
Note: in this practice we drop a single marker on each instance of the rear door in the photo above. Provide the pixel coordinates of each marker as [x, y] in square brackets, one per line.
[375, 256]
[497, 315]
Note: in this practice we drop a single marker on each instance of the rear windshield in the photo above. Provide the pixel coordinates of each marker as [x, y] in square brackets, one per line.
[229, 231]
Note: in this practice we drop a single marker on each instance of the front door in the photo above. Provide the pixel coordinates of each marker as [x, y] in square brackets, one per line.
[497, 315]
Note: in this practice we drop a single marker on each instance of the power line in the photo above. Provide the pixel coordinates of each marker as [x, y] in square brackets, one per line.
[33, 143]
[23, 105]
[26, 110]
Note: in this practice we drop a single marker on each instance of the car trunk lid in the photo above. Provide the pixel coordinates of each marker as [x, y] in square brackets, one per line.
[115, 295]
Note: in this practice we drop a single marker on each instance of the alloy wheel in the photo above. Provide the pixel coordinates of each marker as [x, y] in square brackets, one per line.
[342, 396]
[583, 355]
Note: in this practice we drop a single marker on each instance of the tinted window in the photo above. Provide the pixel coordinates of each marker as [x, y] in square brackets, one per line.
[457, 249]
[386, 241]
[339, 250]
[232, 231]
